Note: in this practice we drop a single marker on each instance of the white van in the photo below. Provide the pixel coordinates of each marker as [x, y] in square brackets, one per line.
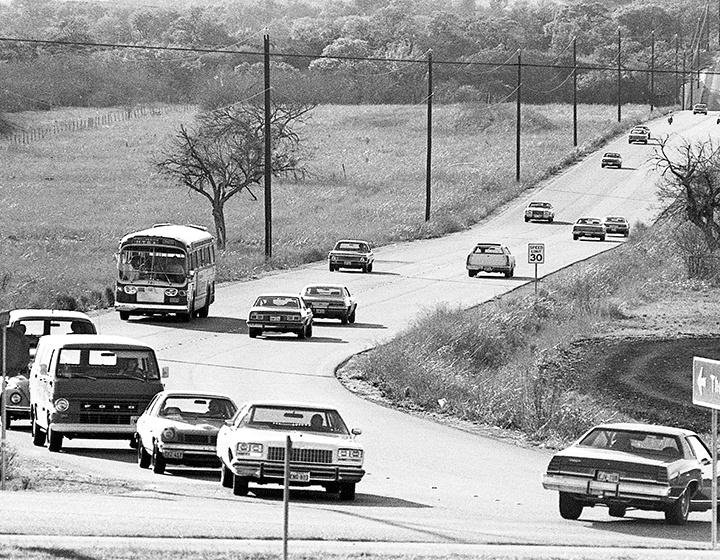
[91, 387]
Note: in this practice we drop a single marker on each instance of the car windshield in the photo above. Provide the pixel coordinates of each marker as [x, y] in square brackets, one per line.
[618, 219]
[662, 446]
[612, 154]
[278, 301]
[102, 363]
[192, 407]
[325, 291]
[35, 327]
[272, 417]
[351, 246]
[590, 221]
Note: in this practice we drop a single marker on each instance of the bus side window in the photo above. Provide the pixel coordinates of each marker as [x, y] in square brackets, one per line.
[212, 254]
[193, 260]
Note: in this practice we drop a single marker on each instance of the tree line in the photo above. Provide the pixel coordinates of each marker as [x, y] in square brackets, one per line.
[346, 52]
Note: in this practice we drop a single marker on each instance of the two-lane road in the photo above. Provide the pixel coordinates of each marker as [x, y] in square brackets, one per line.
[426, 482]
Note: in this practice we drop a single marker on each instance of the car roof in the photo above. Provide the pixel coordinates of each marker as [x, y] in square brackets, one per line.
[199, 394]
[19, 314]
[616, 218]
[74, 340]
[278, 294]
[612, 154]
[323, 285]
[539, 202]
[589, 218]
[287, 404]
[351, 241]
[650, 428]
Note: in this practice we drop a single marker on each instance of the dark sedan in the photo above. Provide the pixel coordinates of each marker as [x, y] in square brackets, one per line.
[641, 466]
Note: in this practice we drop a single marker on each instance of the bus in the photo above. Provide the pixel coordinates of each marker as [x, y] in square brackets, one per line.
[166, 269]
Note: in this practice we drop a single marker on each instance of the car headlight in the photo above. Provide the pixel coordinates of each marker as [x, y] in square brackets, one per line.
[61, 405]
[350, 454]
[130, 290]
[15, 398]
[169, 434]
[248, 448]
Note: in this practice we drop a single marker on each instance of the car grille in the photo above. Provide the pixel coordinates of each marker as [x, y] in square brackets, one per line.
[108, 412]
[199, 439]
[302, 455]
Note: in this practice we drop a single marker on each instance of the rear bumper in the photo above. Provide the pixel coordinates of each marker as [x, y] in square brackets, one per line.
[594, 491]
[277, 327]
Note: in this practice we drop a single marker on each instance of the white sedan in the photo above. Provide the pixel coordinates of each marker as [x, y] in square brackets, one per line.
[323, 453]
[180, 428]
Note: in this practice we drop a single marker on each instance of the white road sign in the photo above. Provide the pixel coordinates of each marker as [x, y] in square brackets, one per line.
[536, 253]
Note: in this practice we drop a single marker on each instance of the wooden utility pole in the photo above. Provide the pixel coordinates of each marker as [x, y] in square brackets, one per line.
[428, 161]
[268, 153]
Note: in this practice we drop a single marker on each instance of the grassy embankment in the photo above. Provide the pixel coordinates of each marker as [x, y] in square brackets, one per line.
[67, 200]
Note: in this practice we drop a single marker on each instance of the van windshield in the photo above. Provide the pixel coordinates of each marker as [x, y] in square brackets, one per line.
[101, 363]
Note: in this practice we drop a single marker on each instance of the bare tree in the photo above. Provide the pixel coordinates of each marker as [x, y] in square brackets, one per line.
[225, 153]
[691, 185]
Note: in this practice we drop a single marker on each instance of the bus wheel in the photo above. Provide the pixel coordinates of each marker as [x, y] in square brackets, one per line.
[204, 311]
[54, 439]
[184, 317]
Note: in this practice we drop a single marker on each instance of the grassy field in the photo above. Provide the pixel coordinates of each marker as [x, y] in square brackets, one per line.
[68, 199]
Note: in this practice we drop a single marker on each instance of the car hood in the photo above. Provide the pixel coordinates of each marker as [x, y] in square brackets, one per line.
[195, 424]
[298, 438]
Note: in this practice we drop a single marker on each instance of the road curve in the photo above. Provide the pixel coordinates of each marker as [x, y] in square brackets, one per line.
[426, 482]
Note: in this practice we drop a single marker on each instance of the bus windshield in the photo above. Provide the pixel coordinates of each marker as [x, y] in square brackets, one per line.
[152, 265]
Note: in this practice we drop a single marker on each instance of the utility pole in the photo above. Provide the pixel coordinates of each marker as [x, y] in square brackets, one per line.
[428, 162]
[268, 153]
[619, 79]
[652, 70]
[518, 98]
[575, 116]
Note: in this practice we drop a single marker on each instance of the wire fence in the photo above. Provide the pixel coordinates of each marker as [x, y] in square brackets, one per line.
[28, 136]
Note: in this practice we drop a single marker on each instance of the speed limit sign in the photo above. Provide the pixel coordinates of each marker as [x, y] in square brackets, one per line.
[536, 253]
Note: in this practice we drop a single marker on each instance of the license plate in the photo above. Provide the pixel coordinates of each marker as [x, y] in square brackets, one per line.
[347, 262]
[173, 454]
[296, 476]
[320, 305]
[320, 311]
[603, 476]
[274, 317]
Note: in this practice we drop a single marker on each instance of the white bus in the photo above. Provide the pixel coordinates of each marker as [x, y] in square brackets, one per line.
[166, 269]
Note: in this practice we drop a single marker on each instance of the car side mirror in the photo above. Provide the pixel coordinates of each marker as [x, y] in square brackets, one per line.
[356, 431]
[706, 461]
[165, 372]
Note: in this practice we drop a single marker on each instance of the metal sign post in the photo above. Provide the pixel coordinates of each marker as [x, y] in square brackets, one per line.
[3, 416]
[706, 392]
[536, 256]
[286, 496]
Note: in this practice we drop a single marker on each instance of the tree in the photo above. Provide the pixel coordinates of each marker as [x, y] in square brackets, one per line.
[225, 153]
[691, 185]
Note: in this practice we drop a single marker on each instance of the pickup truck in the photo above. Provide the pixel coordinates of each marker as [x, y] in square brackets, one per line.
[490, 257]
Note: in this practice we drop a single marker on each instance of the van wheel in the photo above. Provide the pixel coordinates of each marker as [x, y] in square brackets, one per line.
[204, 311]
[7, 420]
[226, 477]
[158, 461]
[55, 440]
[144, 458]
[240, 486]
[124, 315]
[38, 436]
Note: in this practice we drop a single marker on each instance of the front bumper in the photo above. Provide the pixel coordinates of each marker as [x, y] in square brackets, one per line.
[191, 455]
[18, 411]
[264, 472]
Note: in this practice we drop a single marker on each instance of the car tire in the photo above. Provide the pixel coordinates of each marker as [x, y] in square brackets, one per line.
[308, 331]
[332, 268]
[158, 461]
[302, 333]
[344, 319]
[677, 512]
[54, 439]
[240, 485]
[602, 238]
[570, 508]
[143, 457]
[551, 220]
[617, 511]
[38, 436]
[369, 268]
[576, 237]
[347, 491]
[527, 219]
[332, 488]
[124, 315]
[253, 332]
[226, 476]
[351, 317]
[472, 273]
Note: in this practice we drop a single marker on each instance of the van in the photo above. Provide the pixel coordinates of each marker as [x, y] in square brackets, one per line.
[90, 387]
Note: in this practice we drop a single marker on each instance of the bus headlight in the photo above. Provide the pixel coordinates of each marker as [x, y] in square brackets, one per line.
[130, 290]
[61, 405]
[15, 398]
[171, 292]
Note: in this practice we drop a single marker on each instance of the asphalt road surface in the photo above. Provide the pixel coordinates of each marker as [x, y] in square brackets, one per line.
[425, 482]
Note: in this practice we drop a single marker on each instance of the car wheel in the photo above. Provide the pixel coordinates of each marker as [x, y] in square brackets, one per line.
[38, 436]
[575, 237]
[332, 488]
[344, 319]
[369, 267]
[677, 513]
[351, 317]
[332, 268]
[124, 315]
[570, 508]
[472, 273]
[626, 233]
[527, 219]
[143, 457]
[602, 238]
[158, 461]
[617, 511]
[551, 220]
[347, 491]
[302, 333]
[226, 477]
[55, 440]
[308, 331]
[253, 332]
[240, 485]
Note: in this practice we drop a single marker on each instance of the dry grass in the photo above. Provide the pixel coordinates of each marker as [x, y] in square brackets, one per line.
[67, 200]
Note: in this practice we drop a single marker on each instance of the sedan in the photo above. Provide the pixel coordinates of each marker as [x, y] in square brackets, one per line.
[589, 227]
[633, 466]
[611, 159]
[351, 253]
[280, 313]
[616, 224]
[323, 451]
[539, 210]
[331, 301]
[180, 428]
